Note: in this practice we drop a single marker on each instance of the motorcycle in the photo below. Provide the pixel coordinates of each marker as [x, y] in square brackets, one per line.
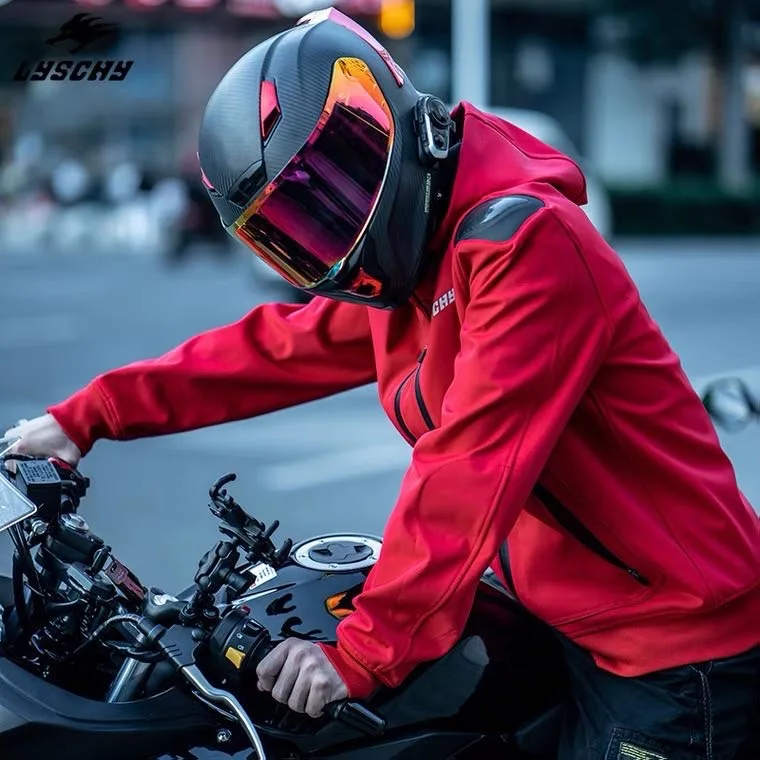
[93, 663]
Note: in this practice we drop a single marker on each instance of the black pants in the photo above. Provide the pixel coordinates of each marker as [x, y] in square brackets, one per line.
[706, 711]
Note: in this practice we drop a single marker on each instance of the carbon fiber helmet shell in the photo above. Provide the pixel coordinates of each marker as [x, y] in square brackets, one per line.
[237, 162]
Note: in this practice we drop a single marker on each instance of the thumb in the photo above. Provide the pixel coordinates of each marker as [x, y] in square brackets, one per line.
[12, 432]
[7, 445]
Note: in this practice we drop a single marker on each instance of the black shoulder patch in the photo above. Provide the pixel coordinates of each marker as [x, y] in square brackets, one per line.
[497, 219]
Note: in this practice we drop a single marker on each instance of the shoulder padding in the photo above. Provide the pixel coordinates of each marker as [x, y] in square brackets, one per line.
[497, 219]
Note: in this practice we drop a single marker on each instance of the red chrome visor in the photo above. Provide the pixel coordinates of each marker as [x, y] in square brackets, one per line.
[311, 216]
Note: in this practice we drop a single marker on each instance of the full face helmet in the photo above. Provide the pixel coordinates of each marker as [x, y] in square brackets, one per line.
[322, 158]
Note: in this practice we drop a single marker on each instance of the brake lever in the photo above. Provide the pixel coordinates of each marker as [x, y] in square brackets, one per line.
[6, 444]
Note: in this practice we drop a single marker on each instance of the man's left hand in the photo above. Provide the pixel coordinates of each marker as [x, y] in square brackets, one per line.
[299, 675]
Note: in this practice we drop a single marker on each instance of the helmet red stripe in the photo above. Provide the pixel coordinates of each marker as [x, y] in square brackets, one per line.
[334, 15]
[206, 181]
[269, 108]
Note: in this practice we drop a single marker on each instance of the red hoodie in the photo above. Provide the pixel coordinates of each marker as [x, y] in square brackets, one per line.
[531, 359]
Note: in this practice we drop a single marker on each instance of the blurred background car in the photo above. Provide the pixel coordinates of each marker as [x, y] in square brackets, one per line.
[110, 251]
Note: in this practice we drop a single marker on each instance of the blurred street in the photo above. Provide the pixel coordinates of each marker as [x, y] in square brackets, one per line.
[331, 465]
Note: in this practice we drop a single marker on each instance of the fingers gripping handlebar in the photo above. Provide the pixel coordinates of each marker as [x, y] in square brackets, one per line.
[239, 644]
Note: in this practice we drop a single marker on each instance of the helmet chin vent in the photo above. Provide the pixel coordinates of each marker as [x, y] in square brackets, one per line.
[248, 186]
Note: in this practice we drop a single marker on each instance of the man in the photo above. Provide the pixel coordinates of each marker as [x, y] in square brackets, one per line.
[453, 266]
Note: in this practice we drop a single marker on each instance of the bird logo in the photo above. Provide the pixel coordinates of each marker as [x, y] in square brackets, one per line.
[84, 29]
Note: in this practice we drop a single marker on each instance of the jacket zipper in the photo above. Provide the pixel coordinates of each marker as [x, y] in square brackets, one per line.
[418, 392]
[418, 395]
[554, 506]
[397, 409]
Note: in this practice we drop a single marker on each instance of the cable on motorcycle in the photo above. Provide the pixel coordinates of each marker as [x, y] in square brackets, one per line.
[133, 652]
[102, 628]
[19, 597]
[23, 548]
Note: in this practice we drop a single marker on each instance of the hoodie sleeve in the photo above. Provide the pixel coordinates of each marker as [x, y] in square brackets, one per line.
[277, 356]
[534, 333]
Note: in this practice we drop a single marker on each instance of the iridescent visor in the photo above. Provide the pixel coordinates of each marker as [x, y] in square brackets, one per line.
[309, 219]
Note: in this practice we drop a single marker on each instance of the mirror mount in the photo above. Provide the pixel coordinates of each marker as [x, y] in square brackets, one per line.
[730, 404]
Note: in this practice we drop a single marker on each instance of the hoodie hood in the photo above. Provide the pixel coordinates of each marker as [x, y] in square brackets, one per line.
[496, 157]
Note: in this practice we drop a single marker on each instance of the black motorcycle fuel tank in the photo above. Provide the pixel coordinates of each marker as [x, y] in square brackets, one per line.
[308, 597]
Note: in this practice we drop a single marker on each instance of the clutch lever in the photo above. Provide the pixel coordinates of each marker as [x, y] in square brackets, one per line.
[179, 644]
[223, 698]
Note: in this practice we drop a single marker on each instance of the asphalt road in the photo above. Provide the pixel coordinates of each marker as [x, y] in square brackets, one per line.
[331, 465]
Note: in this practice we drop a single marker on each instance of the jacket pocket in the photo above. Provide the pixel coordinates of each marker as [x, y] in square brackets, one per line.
[565, 581]
[578, 530]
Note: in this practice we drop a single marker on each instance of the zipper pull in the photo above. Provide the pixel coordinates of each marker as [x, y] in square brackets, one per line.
[637, 576]
[422, 355]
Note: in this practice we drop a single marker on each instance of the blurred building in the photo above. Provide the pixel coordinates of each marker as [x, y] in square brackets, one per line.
[637, 125]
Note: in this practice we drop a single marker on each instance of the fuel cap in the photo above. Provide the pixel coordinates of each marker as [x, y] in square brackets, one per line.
[337, 553]
[340, 552]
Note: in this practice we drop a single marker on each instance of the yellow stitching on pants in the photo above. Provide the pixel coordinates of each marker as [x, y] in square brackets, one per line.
[632, 752]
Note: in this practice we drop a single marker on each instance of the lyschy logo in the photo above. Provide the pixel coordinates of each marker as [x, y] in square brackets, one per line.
[443, 301]
[82, 31]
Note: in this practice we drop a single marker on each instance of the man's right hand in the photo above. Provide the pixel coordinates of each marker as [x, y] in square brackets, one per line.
[44, 437]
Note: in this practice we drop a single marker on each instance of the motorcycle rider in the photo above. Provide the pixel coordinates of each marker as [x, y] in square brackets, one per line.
[452, 264]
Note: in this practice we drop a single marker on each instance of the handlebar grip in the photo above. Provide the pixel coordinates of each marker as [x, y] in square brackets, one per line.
[357, 716]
